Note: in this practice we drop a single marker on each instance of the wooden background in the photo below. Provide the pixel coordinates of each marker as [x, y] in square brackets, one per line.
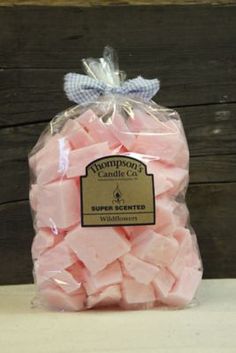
[191, 49]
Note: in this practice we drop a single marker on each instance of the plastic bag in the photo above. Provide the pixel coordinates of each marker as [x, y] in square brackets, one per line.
[108, 183]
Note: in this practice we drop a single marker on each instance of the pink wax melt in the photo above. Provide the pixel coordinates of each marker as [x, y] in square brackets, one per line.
[107, 195]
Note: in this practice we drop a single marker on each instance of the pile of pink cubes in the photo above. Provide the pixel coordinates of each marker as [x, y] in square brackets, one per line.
[78, 268]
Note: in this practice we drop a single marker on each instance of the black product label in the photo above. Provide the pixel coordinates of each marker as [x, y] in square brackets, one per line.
[117, 190]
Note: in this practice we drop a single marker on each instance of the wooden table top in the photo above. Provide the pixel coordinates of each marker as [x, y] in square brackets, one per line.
[207, 327]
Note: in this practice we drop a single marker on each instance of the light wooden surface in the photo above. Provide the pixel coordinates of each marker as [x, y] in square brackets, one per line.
[208, 327]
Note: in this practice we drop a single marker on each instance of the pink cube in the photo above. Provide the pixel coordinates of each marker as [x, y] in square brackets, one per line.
[77, 271]
[134, 292]
[187, 253]
[163, 282]
[51, 162]
[170, 148]
[167, 177]
[101, 132]
[141, 271]
[76, 135]
[166, 221]
[43, 240]
[33, 196]
[165, 218]
[178, 177]
[97, 129]
[55, 298]
[53, 261]
[110, 275]
[141, 122]
[155, 248]
[97, 247]
[184, 289]
[79, 159]
[193, 260]
[86, 118]
[182, 215]
[66, 281]
[58, 204]
[119, 129]
[161, 183]
[109, 296]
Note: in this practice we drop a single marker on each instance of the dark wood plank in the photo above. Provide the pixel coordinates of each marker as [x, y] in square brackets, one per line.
[15, 243]
[214, 222]
[37, 95]
[14, 181]
[213, 169]
[212, 208]
[31, 95]
[111, 2]
[188, 48]
[210, 129]
[211, 132]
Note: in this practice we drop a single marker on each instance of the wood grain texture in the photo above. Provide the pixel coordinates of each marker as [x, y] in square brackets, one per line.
[88, 3]
[211, 133]
[191, 49]
[15, 243]
[211, 218]
[37, 95]
[212, 208]
[194, 68]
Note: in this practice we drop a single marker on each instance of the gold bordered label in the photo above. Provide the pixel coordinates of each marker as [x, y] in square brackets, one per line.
[117, 190]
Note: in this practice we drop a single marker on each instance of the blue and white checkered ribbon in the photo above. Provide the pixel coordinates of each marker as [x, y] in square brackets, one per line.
[83, 89]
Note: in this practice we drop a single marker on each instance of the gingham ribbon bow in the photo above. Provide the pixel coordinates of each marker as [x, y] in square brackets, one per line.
[83, 89]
